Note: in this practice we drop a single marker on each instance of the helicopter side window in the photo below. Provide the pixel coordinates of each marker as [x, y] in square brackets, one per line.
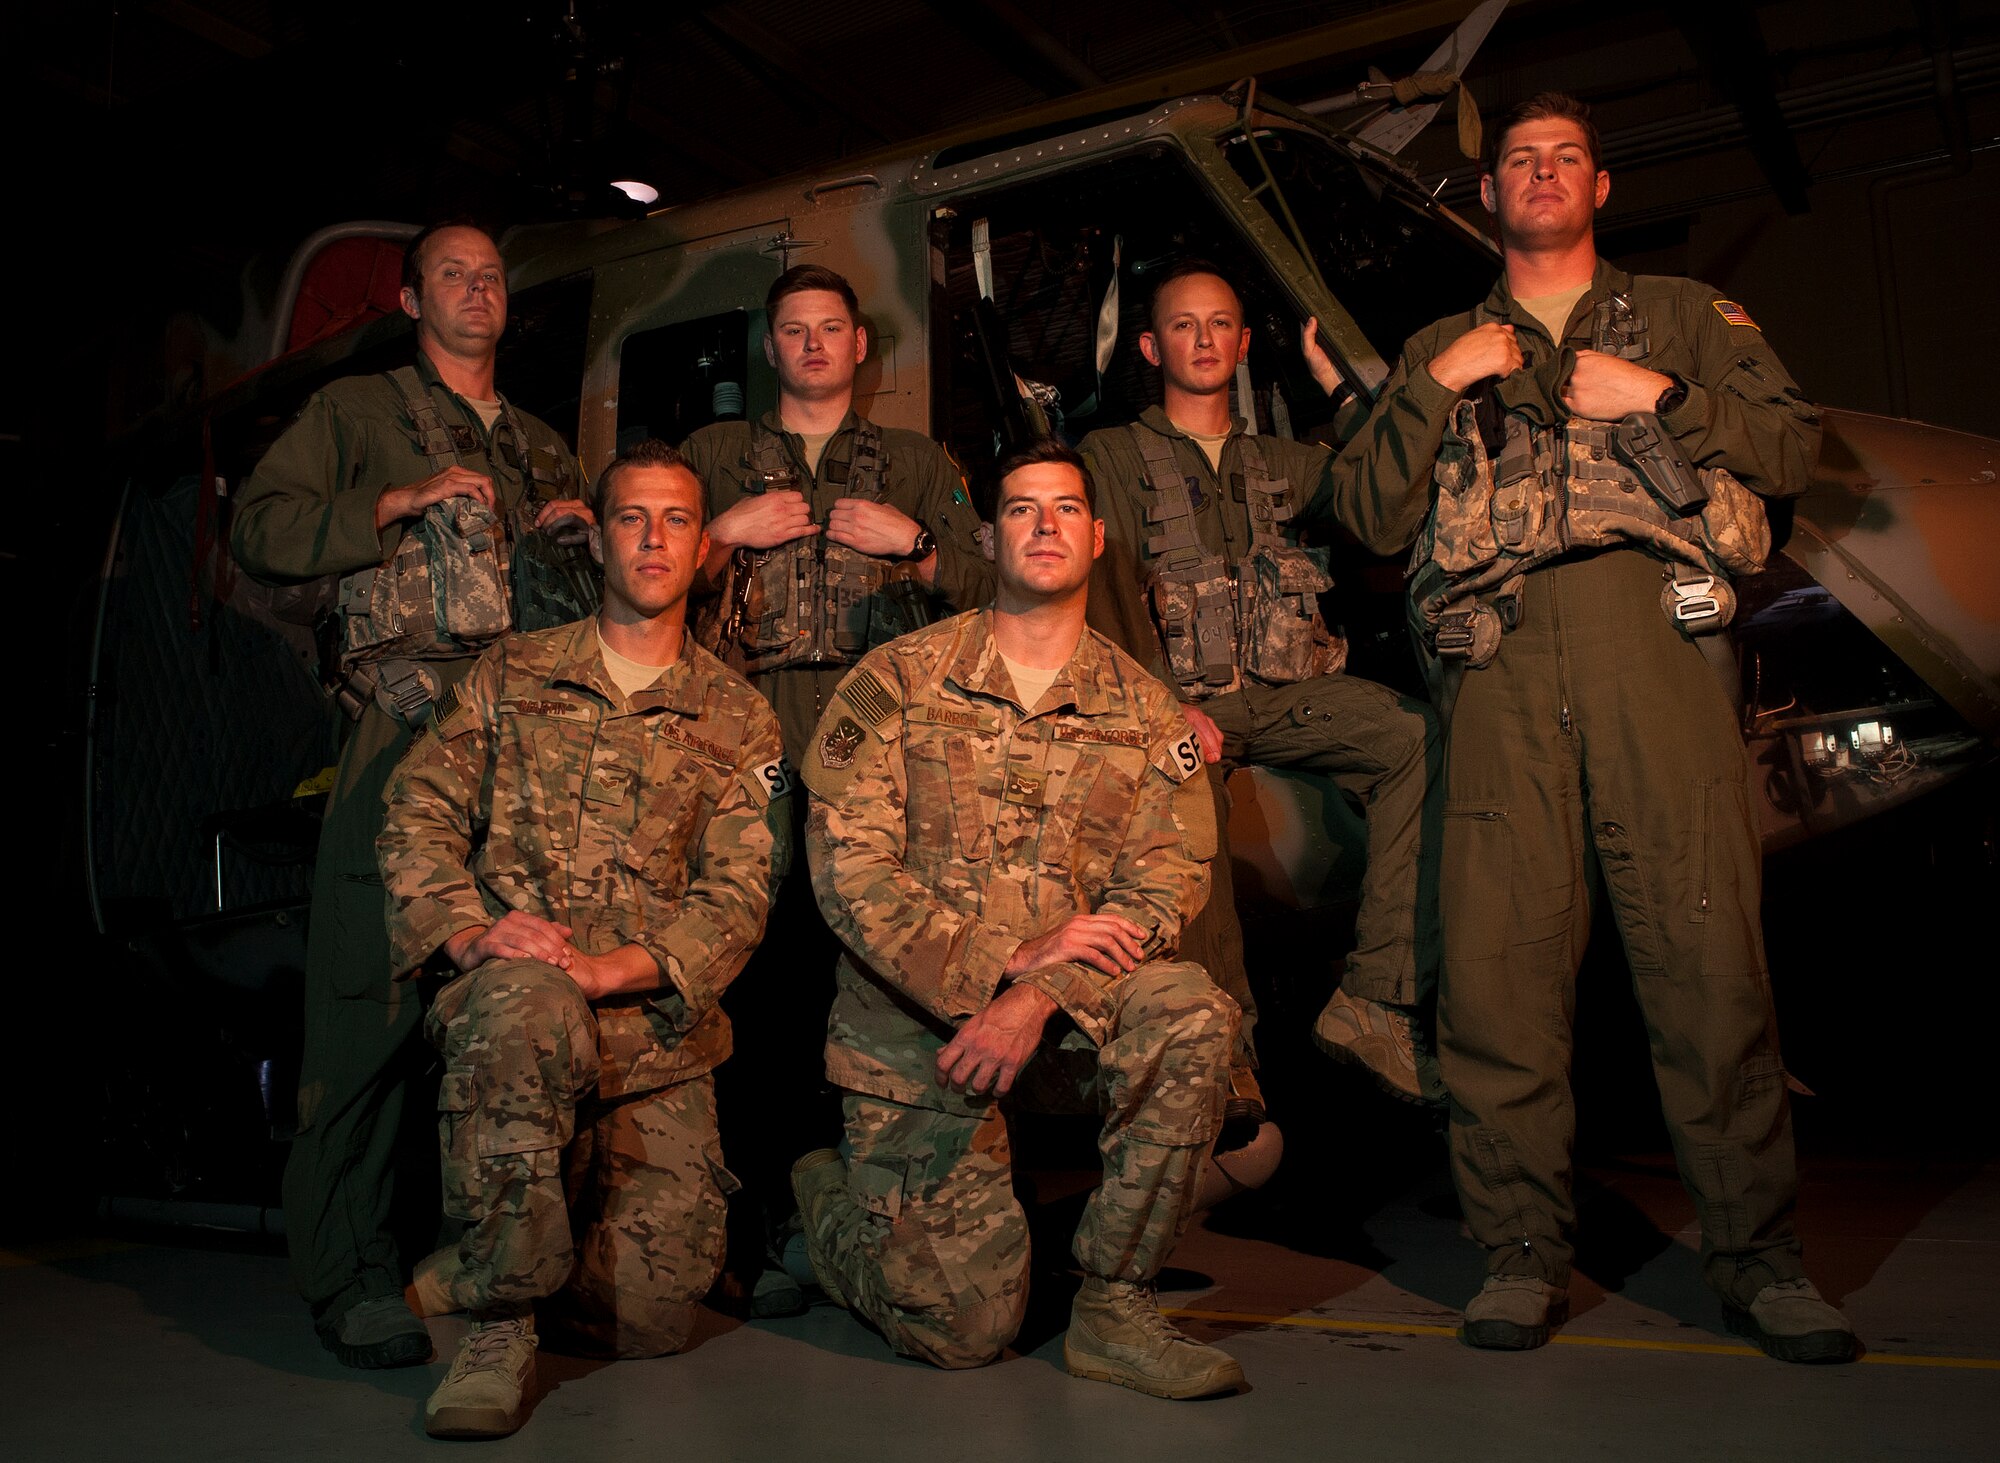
[540, 363]
[677, 378]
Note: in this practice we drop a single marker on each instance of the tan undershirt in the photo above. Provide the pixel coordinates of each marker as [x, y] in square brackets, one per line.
[489, 411]
[627, 674]
[815, 445]
[1030, 681]
[1211, 447]
[1553, 310]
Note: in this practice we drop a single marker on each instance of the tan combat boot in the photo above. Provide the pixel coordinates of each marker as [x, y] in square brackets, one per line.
[1514, 1313]
[1385, 1041]
[430, 1283]
[484, 1395]
[817, 1178]
[1117, 1334]
[1791, 1321]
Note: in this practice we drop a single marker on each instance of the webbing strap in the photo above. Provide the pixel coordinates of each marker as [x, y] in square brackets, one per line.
[433, 439]
[1172, 506]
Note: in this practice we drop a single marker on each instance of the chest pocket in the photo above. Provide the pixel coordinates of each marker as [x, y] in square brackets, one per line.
[945, 816]
[676, 799]
[545, 813]
[1089, 812]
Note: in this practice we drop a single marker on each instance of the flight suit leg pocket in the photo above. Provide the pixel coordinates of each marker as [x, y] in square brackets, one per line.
[1478, 871]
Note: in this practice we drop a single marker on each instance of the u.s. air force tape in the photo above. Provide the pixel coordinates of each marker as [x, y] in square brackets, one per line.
[772, 781]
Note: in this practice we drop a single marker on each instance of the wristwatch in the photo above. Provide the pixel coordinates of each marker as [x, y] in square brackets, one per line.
[923, 548]
[1673, 398]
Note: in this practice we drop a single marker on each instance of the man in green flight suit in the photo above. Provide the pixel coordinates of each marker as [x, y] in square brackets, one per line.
[380, 483]
[1577, 460]
[831, 536]
[1204, 581]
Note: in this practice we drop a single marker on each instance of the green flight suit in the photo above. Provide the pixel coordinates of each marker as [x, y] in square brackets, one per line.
[1381, 748]
[1599, 745]
[308, 511]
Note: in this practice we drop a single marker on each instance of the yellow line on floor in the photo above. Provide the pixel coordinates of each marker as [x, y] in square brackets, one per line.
[1561, 1338]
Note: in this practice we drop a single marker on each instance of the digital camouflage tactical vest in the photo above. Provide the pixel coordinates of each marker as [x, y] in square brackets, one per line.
[1512, 496]
[813, 601]
[1221, 623]
[462, 575]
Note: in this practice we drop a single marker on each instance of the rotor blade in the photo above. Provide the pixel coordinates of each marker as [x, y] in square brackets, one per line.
[1392, 131]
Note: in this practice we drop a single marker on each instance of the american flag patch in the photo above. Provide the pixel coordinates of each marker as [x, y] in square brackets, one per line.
[1734, 313]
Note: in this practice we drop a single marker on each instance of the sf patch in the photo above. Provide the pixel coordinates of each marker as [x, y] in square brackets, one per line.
[1181, 759]
[772, 781]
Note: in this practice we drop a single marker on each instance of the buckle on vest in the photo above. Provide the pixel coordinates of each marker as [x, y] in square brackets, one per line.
[1471, 636]
[1698, 603]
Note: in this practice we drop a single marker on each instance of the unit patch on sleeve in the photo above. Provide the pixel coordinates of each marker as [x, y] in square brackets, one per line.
[1735, 314]
[841, 742]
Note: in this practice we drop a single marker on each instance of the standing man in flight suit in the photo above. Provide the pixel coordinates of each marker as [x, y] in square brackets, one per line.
[1578, 461]
[1204, 580]
[384, 488]
[831, 536]
[1009, 828]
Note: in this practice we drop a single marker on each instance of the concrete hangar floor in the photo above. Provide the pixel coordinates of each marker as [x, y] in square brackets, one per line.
[1337, 1286]
[115, 1349]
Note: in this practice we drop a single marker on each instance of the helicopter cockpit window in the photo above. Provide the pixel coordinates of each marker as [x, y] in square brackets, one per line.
[1393, 266]
[540, 364]
[680, 377]
[1022, 352]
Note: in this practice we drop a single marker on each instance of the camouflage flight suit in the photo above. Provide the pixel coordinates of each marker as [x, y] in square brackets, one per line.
[947, 824]
[307, 512]
[578, 1137]
[776, 1104]
[1598, 740]
[1380, 748]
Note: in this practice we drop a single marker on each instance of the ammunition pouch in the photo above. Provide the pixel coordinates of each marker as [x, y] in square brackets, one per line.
[1283, 639]
[442, 593]
[1195, 611]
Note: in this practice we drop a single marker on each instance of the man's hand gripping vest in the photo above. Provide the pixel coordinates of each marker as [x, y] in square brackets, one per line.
[1219, 623]
[813, 601]
[1512, 496]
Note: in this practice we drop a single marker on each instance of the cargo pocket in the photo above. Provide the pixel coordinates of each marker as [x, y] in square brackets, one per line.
[1478, 867]
[769, 622]
[669, 824]
[458, 1094]
[1462, 517]
[912, 1272]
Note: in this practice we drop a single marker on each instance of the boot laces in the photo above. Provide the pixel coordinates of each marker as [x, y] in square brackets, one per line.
[486, 1348]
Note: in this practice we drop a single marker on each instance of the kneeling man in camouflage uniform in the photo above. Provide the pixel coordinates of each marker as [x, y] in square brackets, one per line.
[1008, 831]
[588, 837]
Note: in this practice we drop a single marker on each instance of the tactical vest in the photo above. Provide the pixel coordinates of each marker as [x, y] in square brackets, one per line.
[458, 575]
[813, 601]
[1220, 622]
[1512, 496]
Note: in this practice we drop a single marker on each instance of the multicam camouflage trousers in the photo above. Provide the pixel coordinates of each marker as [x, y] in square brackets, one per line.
[933, 1247]
[603, 1216]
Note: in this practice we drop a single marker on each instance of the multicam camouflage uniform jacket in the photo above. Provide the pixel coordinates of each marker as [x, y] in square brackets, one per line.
[949, 824]
[657, 821]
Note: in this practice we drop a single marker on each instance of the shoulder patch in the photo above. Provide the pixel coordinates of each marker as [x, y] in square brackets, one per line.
[770, 782]
[1735, 314]
[1180, 759]
[865, 692]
